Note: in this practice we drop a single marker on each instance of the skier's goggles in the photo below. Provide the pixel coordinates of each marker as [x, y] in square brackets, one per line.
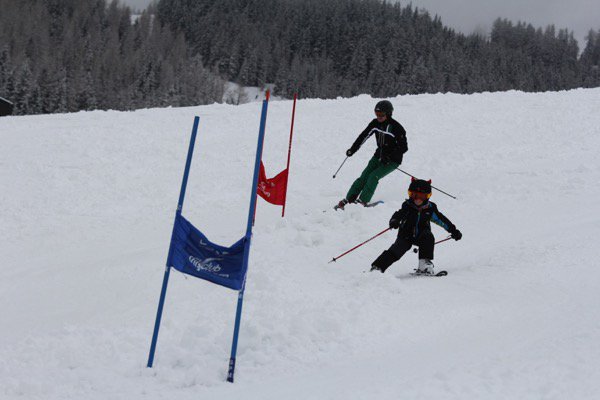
[418, 195]
[380, 113]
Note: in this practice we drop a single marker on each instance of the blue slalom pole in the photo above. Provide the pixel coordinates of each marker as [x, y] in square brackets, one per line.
[238, 313]
[163, 291]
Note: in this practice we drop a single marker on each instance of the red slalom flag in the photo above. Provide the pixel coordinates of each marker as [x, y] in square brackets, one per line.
[272, 190]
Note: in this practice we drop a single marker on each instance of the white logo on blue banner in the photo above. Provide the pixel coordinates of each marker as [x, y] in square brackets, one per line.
[208, 264]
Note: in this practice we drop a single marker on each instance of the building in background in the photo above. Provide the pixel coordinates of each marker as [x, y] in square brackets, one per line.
[6, 107]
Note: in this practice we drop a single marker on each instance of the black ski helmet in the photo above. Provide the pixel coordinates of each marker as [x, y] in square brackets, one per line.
[385, 106]
[420, 186]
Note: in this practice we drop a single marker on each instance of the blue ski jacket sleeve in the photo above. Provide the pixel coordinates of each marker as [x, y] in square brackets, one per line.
[441, 220]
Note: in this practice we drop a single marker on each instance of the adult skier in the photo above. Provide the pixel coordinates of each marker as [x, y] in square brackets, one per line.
[414, 228]
[391, 145]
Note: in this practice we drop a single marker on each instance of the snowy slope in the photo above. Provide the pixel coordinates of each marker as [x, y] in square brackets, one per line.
[87, 205]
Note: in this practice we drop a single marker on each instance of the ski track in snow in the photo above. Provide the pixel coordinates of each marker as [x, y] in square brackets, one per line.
[88, 201]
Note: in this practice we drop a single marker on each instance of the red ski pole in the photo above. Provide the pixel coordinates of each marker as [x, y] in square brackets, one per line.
[357, 246]
[443, 240]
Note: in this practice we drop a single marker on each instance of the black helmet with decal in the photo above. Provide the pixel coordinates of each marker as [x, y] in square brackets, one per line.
[419, 188]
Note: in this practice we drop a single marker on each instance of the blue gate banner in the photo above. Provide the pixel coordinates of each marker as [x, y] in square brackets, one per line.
[193, 254]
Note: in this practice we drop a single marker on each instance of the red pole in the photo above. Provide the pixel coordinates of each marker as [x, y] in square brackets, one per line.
[439, 241]
[443, 240]
[356, 247]
[287, 176]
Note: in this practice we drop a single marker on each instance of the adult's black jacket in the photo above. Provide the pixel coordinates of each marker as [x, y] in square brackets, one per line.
[391, 140]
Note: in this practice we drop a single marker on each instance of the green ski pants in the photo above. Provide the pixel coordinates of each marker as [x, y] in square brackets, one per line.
[366, 184]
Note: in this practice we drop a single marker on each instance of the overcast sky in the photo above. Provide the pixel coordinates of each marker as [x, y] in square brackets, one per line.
[466, 15]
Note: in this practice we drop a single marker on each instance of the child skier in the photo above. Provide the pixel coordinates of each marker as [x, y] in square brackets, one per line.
[391, 145]
[413, 224]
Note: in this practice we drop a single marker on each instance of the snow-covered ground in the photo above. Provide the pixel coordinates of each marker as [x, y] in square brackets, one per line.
[86, 208]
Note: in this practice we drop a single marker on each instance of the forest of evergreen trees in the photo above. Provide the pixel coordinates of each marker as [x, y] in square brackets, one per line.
[348, 47]
[70, 55]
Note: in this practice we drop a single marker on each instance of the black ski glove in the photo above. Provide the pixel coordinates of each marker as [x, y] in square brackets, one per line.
[399, 217]
[349, 152]
[456, 235]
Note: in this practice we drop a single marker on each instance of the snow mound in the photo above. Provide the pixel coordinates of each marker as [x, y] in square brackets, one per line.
[88, 201]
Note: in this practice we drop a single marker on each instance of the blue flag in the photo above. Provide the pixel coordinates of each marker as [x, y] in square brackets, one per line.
[193, 254]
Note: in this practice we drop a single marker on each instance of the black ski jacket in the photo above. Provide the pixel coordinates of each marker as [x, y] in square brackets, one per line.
[391, 140]
[414, 220]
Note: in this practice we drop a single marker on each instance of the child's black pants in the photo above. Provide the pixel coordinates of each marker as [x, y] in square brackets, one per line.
[425, 242]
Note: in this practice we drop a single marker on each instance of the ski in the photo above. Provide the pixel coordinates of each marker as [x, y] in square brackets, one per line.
[372, 204]
[441, 273]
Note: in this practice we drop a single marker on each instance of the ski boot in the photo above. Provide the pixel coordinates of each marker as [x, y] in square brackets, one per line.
[425, 267]
[376, 268]
[341, 205]
[384, 261]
